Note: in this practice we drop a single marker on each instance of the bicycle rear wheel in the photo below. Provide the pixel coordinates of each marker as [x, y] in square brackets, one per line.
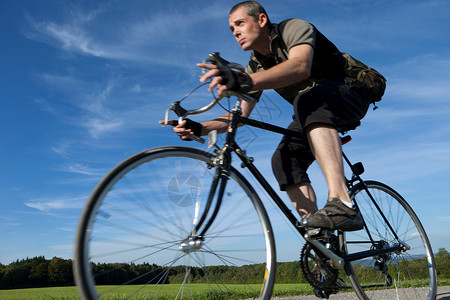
[132, 239]
[404, 274]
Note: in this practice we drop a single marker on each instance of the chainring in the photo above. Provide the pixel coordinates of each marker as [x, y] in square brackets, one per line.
[317, 269]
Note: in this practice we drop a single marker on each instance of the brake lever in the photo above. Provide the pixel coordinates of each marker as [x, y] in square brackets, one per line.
[217, 60]
[181, 113]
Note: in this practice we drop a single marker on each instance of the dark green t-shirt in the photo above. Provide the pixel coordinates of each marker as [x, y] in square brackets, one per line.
[328, 61]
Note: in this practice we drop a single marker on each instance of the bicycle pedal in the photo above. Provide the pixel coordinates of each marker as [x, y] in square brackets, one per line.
[323, 294]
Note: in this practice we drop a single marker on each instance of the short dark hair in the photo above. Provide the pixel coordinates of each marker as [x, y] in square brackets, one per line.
[253, 9]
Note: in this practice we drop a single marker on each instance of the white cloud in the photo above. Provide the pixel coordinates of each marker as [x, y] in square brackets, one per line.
[62, 148]
[136, 39]
[97, 127]
[9, 221]
[59, 203]
[83, 170]
[431, 89]
[72, 38]
[423, 77]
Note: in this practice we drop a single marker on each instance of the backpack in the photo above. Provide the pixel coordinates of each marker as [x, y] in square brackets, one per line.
[371, 77]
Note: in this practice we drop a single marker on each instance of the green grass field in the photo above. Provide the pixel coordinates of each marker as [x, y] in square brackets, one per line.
[69, 293]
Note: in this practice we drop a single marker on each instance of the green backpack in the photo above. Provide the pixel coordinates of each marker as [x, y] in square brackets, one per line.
[371, 77]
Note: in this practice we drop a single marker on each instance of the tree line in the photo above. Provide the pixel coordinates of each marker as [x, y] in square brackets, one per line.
[42, 272]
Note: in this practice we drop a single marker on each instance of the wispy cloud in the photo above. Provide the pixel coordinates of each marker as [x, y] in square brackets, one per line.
[58, 203]
[423, 77]
[83, 170]
[112, 100]
[71, 38]
[9, 221]
[97, 126]
[138, 39]
[72, 34]
[62, 148]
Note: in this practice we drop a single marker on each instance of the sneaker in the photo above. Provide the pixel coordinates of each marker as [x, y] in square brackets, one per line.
[334, 215]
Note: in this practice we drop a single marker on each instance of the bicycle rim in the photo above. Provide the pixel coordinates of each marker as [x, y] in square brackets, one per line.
[132, 237]
[403, 274]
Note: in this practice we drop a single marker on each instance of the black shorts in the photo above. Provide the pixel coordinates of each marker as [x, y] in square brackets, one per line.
[340, 103]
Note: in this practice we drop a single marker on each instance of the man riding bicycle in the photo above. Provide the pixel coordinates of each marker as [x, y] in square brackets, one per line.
[306, 69]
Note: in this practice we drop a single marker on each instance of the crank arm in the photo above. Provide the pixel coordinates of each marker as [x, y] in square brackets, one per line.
[336, 261]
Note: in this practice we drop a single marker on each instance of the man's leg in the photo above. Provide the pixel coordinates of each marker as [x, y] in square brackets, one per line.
[337, 213]
[289, 164]
[303, 198]
[325, 144]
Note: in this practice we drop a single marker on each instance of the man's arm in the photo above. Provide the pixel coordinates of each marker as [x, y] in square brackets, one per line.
[295, 69]
[220, 124]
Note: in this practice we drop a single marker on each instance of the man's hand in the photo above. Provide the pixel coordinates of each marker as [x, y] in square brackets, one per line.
[224, 78]
[235, 81]
[186, 129]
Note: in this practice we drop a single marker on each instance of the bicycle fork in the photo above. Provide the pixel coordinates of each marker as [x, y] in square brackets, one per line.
[194, 242]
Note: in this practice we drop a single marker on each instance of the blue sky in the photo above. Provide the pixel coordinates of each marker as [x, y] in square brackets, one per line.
[83, 84]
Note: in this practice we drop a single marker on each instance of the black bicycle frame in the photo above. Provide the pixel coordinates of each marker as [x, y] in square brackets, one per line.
[222, 176]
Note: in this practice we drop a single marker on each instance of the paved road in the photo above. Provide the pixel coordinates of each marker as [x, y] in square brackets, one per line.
[443, 294]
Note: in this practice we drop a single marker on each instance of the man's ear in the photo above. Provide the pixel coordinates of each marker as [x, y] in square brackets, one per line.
[262, 20]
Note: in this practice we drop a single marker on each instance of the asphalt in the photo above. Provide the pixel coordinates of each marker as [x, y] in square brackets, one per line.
[442, 294]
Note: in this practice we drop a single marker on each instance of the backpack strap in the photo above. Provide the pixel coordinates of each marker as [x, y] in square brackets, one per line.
[257, 59]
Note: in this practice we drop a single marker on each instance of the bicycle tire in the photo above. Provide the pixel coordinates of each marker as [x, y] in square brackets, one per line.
[137, 217]
[405, 274]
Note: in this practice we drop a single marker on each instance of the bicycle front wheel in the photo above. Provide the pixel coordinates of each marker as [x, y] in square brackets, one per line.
[134, 239]
[409, 273]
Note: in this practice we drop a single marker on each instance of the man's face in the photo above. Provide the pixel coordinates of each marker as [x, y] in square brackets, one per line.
[245, 29]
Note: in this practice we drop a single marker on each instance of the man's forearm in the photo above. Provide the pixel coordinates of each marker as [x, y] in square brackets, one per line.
[220, 124]
[281, 75]
[297, 68]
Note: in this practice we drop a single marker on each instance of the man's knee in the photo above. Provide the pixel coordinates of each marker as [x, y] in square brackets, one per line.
[277, 164]
[289, 170]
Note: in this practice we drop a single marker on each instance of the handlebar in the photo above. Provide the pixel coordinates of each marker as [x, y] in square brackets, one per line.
[215, 59]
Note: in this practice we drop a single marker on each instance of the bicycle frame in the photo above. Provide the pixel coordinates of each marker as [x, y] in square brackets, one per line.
[155, 208]
[220, 181]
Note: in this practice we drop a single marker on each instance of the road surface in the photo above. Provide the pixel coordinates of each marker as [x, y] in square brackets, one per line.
[442, 294]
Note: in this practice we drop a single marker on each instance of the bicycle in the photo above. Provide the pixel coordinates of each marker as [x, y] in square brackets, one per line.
[170, 217]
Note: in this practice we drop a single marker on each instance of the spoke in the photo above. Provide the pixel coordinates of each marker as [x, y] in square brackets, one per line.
[159, 247]
[404, 270]
[141, 216]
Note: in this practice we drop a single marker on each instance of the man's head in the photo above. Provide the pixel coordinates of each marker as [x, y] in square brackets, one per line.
[252, 8]
[250, 25]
